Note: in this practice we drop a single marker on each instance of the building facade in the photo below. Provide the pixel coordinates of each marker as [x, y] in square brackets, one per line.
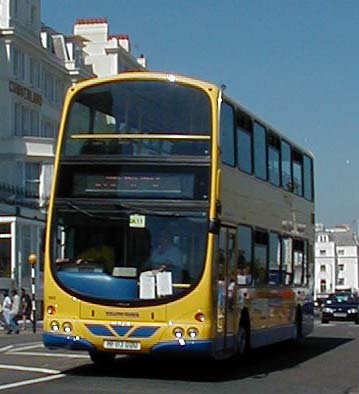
[37, 65]
[336, 260]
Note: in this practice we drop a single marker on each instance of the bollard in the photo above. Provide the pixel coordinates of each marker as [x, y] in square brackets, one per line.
[32, 259]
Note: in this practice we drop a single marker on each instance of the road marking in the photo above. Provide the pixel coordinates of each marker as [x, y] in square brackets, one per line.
[31, 381]
[38, 354]
[29, 369]
[33, 346]
[6, 348]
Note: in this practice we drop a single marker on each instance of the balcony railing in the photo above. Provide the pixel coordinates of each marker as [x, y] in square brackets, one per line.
[19, 196]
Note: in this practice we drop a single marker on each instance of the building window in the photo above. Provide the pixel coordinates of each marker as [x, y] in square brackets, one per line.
[18, 63]
[322, 252]
[48, 128]
[341, 252]
[32, 179]
[323, 286]
[341, 282]
[341, 267]
[323, 268]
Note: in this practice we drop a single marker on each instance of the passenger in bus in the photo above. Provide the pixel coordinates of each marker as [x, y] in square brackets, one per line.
[98, 253]
[166, 256]
[244, 275]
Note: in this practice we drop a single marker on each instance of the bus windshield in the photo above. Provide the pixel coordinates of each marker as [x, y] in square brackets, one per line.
[138, 114]
[119, 256]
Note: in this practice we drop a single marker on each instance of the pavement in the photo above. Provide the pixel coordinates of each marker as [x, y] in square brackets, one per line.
[29, 329]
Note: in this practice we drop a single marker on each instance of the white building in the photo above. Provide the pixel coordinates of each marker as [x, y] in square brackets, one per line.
[107, 54]
[37, 65]
[336, 260]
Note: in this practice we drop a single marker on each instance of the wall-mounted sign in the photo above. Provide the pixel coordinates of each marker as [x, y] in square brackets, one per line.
[25, 93]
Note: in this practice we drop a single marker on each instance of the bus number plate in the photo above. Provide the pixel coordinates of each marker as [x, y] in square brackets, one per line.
[122, 345]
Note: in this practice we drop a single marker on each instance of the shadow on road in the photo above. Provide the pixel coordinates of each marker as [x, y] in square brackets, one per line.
[260, 363]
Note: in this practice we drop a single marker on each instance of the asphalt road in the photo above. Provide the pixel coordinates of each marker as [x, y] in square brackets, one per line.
[327, 362]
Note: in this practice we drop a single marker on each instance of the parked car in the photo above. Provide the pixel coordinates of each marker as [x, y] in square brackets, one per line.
[341, 306]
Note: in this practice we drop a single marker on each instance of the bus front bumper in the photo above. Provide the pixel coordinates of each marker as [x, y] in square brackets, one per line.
[53, 341]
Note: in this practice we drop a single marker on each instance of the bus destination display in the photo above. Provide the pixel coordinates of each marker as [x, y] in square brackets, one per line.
[128, 185]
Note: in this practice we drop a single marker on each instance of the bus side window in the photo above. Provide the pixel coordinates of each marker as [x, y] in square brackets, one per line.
[286, 157]
[298, 259]
[298, 173]
[260, 271]
[227, 135]
[275, 266]
[244, 237]
[244, 142]
[287, 261]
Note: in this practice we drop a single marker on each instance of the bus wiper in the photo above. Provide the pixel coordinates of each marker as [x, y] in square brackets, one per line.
[78, 209]
[102, 217]
[146, 211]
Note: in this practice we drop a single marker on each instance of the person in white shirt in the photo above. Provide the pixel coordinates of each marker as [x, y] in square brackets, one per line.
[6, 307]
[14, 313]
[167, 257]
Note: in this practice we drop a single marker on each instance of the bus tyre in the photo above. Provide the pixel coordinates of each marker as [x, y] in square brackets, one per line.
[243, 341]
[102, 359]
[298, 337]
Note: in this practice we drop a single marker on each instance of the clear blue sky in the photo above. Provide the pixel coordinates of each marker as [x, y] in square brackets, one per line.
[295, 63]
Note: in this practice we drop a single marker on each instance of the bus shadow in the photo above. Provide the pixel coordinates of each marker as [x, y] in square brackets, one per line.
[258, 364]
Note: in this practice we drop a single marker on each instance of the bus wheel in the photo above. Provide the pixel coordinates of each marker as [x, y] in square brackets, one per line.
[298, 338]
[243, 339]
[102, 359]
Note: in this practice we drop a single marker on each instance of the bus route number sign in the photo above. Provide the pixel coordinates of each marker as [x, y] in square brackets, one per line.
[138, 221]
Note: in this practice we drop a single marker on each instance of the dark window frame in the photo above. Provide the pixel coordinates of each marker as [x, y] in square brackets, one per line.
[257, 159]
[244, 124]
[280, 270]
[234, 164]
[257, 231]
[273, 140]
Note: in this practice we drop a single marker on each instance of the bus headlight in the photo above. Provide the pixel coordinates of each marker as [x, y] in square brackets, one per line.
[67, 327]
[192, 332]
[55, 326]
[178, 332]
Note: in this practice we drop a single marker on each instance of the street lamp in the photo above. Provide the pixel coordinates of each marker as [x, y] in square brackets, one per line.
[32, 259]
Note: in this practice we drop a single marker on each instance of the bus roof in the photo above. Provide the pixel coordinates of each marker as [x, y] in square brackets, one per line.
[149, 75]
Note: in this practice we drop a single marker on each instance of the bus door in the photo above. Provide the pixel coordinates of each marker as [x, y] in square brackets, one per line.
[226, 288]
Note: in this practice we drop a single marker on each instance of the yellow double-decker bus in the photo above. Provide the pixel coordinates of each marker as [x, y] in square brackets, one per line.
[179, 222]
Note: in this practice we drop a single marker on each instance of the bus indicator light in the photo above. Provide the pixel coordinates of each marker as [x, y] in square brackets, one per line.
[51, 310]
[200, 317]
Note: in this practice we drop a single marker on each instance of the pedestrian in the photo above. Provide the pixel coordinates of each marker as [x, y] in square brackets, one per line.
[14, 313]
[6, 307]
[25, 307]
